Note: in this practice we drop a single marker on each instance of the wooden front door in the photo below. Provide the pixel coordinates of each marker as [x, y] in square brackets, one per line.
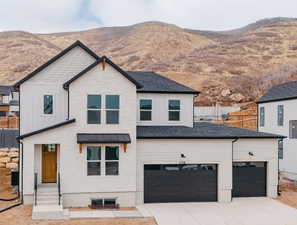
[49, 164]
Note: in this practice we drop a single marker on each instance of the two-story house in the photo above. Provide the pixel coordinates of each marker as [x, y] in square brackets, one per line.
[95, 134]
[277, 110]
[9, 101]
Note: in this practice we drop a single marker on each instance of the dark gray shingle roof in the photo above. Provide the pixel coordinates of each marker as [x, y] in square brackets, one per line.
[280, 92]
[5, 90]
[199, 131]
[8, 138]
[153, 82]
[103, 138]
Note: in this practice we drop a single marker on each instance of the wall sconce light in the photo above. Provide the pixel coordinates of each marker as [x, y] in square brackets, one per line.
[182, 155]
[251, 154]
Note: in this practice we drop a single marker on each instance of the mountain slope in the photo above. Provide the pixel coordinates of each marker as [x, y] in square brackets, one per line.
[230, 66]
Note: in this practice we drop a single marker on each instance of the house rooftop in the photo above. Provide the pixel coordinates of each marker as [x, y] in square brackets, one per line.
[201, 130]
[154, 83]
[280, 92]
[5, 90]
[8, 138]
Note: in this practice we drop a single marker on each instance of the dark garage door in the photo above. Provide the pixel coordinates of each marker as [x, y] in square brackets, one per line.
[180, 183]
[249, 179]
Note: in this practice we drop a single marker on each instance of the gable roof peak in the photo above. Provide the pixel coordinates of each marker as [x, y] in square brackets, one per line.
[55, 58]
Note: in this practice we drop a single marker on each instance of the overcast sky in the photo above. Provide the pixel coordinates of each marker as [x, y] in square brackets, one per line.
[47, 16]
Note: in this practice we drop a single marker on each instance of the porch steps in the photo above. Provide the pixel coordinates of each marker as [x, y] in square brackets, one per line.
[47, 203]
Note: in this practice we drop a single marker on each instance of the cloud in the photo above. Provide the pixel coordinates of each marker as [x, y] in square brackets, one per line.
[196, 14]
[43, 16]
[68, 15]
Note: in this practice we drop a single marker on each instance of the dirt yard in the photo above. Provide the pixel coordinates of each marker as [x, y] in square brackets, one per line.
[288, 193]
[21, 215]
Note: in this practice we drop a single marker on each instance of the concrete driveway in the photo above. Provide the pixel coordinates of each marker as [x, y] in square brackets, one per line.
[242, 211]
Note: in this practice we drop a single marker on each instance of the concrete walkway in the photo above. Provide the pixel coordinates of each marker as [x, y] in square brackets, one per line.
[104, 214]
[242, 211]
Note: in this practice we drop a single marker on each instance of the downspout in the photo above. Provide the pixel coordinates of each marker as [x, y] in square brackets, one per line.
[68, 103]
[278, 172]
[233, 141]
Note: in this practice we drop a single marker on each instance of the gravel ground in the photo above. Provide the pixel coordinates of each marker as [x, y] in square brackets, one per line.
[288, 193]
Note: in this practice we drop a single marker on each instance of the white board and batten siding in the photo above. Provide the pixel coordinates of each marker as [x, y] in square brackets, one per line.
[160, 109]
[77, 187]
[288, 166]
[50, 81]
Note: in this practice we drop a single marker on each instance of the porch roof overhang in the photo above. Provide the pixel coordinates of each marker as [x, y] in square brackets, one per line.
[94, 138]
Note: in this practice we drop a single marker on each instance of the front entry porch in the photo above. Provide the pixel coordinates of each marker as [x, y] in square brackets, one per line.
[48, 202]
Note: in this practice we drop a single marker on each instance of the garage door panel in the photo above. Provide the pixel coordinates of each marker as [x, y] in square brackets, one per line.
[180, 183]
[249, 179]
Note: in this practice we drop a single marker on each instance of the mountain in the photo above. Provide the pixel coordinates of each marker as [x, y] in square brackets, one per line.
[227, 66]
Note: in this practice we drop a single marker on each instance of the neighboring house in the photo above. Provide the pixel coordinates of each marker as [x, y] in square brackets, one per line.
[9, 101]
[277, 113]
[107, 137]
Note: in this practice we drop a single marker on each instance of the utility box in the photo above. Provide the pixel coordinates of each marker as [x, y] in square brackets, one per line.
[14, 178]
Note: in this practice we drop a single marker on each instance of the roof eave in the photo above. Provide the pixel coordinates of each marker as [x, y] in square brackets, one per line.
[170, 92]
[45, 129]
[276, 100]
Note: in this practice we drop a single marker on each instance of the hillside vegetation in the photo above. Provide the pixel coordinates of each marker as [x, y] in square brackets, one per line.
[228, 67]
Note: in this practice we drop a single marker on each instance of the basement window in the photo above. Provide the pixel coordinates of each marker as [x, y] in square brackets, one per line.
[104, 203]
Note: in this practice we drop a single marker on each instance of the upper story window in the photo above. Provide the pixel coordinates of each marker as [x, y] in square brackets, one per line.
[48, 104]
[293, 129]
[262, 116]
[94, 160]
[280, 149]
[280, 115]
[145, 109]
[112, 106]
[94, 109]
[174, 110]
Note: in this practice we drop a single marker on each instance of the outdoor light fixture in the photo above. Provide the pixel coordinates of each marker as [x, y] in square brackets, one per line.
[251, 154]
[182, 155]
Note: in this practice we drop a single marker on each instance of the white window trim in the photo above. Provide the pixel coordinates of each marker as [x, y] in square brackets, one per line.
[104, 110]
[86, 156]
[48, 115]
[146, 110]
[174, 110]
[102, 161]
[100, 110]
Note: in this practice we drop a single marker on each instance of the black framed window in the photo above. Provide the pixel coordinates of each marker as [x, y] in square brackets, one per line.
[48, 104]
[174, 110]
[94, 109]
[145, 106]
[94, 160]
[112, 106]
[112, 160]
[262, 116]
[293, 129]
[280, 149]
[280, 115]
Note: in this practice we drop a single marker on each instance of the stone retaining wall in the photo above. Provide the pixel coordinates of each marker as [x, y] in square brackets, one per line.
[5, 178]
[9, 158]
